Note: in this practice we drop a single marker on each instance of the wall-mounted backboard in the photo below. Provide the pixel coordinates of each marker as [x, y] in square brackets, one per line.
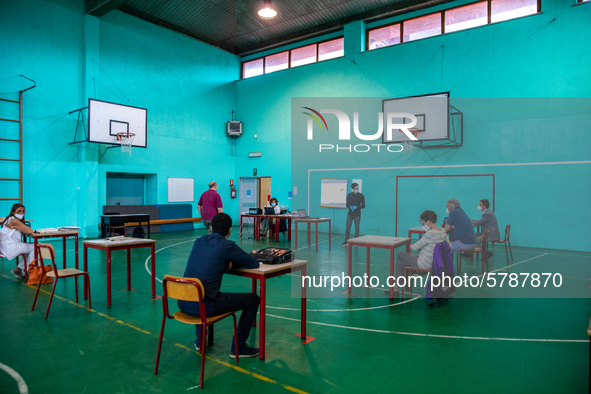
[438, 122]
[106, 119]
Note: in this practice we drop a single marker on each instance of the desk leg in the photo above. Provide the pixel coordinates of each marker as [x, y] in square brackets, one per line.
[296, 235]
[349, 248]
[76, 250]
[64, 243]
[303, 318]
[276, 229]
[128, 269]
[153, 247]
[367, 265]
[317, 236]
[407, 246]
[309, 228]
[85, 267]
[329, 236]
[254, 291]
[108, 277]
[289, 229]
[392, 272]
[263, 295]
[35, 246]
[257, 229]
[241, 227]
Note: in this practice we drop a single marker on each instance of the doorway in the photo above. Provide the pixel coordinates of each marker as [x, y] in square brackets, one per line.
[253, 192]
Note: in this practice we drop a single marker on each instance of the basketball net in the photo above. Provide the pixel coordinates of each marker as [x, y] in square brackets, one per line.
[125, 140]
[409, 144]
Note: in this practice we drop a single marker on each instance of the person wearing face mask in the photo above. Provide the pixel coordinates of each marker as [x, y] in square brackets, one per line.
[355, 203]
[13, 227]
[459, 227]
[488, 222]
[426, 245]
[274, 203]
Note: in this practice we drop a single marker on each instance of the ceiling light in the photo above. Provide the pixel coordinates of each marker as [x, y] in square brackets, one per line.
[267, 12]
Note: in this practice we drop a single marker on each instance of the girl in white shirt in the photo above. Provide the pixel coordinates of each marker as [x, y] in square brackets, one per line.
[13, 227]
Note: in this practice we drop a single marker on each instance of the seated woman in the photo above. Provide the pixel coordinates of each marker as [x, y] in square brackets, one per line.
[273, 202]
[426, 245]
[13, 227]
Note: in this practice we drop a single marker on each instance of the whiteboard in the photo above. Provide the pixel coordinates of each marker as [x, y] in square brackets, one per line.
[333, 192]
[181, 190]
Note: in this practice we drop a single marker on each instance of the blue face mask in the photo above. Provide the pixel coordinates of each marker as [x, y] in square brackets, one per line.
[355, 191]
[273, 204]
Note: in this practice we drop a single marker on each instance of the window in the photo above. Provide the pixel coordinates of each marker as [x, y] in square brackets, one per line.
[252, 69]
[422, 27]
[303, 55]
[276, 62]
[331, 49]
[466, 17]
[384, 37]
[502, 10]
[455, 19]
[313, 53]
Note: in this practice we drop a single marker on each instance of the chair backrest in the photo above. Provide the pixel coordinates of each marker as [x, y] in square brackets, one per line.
[507, 231]
[46, 251]
[185, 289]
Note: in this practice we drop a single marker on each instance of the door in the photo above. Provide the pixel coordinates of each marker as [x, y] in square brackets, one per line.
[247, 196]
[264, 192]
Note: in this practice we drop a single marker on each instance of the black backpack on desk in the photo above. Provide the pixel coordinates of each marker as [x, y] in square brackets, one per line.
[273, 255]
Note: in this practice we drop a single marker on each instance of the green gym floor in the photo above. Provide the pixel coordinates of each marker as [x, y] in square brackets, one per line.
[360, 344]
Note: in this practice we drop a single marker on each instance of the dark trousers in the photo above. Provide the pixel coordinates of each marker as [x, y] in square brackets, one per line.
[350, 219]
[248, 303]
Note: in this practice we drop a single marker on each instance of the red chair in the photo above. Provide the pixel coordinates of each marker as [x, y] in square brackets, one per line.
[483, 250]
[506, 242]
[413, 271]
[46, 251]
[191, 289]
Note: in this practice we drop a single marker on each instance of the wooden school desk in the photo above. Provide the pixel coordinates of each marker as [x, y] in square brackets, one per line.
[264, 272]
[377, 241]
[310, 221]
[127, 244]
[58, 234]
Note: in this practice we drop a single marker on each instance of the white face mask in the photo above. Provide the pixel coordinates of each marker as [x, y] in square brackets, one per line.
[19, 216]
[447, 210]
[355, 191]
[479, 208]
[426, 228]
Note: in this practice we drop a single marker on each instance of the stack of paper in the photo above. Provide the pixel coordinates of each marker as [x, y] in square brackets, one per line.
[69, 228]
[46, 230]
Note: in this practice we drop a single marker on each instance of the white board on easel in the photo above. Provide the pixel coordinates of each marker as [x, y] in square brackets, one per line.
[181, 190]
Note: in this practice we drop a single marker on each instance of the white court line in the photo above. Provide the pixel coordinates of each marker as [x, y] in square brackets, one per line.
[512, 265]
[166, 247]
[416, 334]
[22, 386]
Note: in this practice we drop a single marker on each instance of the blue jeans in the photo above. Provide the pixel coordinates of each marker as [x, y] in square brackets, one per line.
[248, 303]
[457, 245]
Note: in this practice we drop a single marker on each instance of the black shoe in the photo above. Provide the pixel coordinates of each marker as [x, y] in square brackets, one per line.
[345, 243]
[246, 352]
[16, 271]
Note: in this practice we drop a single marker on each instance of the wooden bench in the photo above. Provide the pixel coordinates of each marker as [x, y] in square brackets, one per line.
[162, 221]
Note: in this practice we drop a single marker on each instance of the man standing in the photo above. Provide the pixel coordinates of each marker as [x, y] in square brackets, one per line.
[488, 222]
[459, 226]
[211, 257]
[209, 205]
[355, 203]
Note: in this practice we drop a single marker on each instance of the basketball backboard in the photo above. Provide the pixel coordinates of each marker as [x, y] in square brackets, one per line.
[106, 119]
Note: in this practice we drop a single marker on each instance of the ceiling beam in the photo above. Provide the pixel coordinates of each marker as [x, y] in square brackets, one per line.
[99, 8]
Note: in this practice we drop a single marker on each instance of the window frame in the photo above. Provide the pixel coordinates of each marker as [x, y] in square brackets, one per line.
[317, 44]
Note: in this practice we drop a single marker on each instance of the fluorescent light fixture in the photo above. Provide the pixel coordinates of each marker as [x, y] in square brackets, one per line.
[267, 12]
[254, 154]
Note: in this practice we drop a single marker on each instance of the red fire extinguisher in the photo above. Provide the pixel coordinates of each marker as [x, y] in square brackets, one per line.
[232, 191]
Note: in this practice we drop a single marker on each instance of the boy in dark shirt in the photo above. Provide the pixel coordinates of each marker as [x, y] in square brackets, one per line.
[355, 203]
[211, 257]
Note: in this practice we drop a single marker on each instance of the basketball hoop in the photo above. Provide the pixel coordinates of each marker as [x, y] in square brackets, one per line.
[409, 144]
[125, 140]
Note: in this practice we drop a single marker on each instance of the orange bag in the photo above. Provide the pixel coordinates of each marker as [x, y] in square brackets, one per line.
[35, 273]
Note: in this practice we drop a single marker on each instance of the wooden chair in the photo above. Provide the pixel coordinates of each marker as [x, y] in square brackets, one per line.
[506, 242]
[46, 251]
[191, 289]
[413, 271]
[482, 250]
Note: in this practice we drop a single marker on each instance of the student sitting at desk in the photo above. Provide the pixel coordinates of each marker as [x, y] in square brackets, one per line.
[13, 227]
[426, 245]
[459, 226]
[211, 257]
